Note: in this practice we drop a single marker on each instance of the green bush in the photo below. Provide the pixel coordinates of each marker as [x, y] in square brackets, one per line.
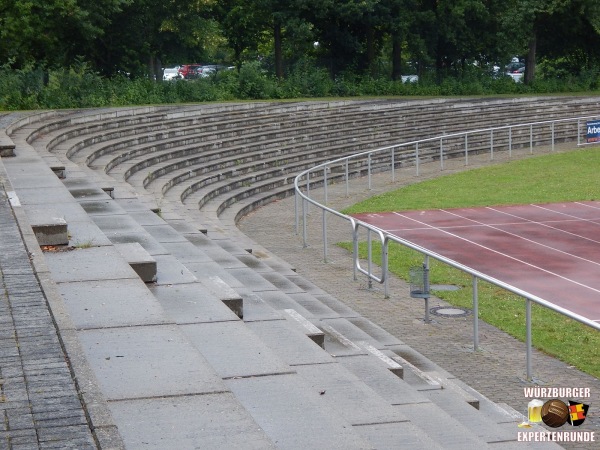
[79, 87]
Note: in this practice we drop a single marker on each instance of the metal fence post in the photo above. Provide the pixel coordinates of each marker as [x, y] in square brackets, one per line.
[442, 153]
[347, 187]
[304, 232]
[466, 149]
[296, 218]
[393, 165]
[509, 141]
[475, 314]
[552, 136]
[528, 337]
[369, 170]
[417, 157]
[491, 144]
[324, 235]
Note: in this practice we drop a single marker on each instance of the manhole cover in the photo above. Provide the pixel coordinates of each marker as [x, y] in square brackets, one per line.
[450, 311]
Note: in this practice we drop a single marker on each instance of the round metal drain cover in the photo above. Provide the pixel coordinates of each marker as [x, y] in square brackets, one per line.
[450, 311]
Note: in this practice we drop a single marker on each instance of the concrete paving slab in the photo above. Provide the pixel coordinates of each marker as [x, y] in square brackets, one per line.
[441, 427]
[141, 237]
[86, 234]
[164, 233]
[83, 190]
[282, 283]
[252, 280]
[171, 271]
[254, 263]
[104, 207]
[473, 419]
[218, 421]
[280, 301]
[184, 227]
[38, 177]
[375, 331]
[149, 361]
[352, 332]
[313, 306]
[397, 436]
[88, 264]
[294, 415]
[256, 309]
[233, 350]
[348, 395]
[378, 377]
[191, 303]
[46, 196]
[186, 252]
[205, 270]
[295, 349]
[342, 309]
[147, 217]
[111, 303]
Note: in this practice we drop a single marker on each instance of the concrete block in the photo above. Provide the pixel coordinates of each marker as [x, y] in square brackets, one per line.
[7, 146]
[49, 228]
[139, 259]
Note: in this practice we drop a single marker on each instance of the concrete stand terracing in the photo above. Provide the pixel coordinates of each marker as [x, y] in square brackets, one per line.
[212, 345]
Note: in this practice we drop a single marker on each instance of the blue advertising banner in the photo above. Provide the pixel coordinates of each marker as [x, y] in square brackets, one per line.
[593, 132]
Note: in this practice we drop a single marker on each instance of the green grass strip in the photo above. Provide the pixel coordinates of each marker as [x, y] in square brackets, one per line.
[571, 176]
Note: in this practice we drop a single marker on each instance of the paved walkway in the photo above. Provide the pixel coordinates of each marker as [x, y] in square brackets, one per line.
[497, 371]
[39, 400]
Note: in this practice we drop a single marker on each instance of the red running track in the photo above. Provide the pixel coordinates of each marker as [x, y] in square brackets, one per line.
[549, 250]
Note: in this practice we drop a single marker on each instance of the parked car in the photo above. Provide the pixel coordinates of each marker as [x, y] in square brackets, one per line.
[208, 70]
[171, 73]
[189, 71]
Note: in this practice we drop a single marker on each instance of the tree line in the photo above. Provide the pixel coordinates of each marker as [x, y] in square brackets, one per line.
[373, 37]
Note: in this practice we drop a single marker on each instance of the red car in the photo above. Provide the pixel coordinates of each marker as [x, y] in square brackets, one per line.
[189, 71]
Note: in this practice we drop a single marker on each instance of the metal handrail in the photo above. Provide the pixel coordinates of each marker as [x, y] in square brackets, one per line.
[385, 238]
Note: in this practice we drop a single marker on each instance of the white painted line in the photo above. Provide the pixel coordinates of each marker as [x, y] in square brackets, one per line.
[13, 199]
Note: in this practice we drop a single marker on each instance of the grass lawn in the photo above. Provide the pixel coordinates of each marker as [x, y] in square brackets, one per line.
[571, 176]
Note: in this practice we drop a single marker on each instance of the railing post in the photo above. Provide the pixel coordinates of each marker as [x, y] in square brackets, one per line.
[384, 264]
[325, 215]
[509, 142]
[369, 170]
[475, 314]
[325, 184]
[307, 188]
[370, 258]
[442, 153]
[491, 144]
[528, 337]
[578, 132]
[552, 136]
[347, 181]
[355, 252]
[466, 150]
[393, 165]
[296, 218]
[324, 235]
[304, 232]
[531, 138]
[417, 157]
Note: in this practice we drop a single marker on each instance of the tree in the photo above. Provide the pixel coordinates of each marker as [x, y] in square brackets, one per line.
[52, 33]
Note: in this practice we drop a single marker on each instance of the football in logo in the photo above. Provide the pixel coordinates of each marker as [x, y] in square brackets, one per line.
[555, 413]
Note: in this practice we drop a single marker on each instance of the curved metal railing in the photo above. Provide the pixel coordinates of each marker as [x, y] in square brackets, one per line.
[440, 148]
